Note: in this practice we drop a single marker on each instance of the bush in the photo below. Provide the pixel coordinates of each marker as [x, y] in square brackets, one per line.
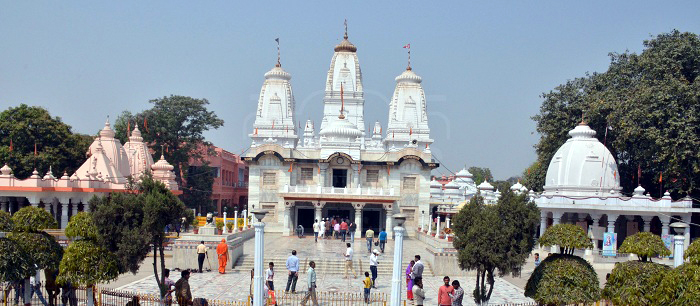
[15, 264]
[633, 282]
[229, 226]
[681, 286]
[41, 248]
[563, 279]
[82, 225]
[567, 236]
[692, 254]
[33, 219]
[645, 245]
[86, 263]
[6, 224]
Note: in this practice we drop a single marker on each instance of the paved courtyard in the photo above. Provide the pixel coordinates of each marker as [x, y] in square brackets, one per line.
[235, 285]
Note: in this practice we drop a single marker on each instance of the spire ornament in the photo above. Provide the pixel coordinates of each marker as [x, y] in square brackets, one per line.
[408, 46]
[342, 103]
[279, 62]
[346, 29]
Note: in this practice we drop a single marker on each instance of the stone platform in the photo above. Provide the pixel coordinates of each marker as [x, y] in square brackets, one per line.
[185, 249]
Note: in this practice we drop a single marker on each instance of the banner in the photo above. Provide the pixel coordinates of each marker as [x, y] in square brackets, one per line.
[609, 244]
[668, 241]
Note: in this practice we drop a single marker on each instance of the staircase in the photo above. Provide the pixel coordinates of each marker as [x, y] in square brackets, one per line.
[325, 266]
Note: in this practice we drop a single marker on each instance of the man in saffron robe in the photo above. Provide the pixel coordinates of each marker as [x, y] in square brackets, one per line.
[222, 251]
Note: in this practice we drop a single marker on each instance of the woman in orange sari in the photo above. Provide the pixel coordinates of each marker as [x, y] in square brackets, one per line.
[222, 251]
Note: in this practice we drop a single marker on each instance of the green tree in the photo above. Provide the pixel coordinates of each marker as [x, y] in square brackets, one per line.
[176, 124]
[197, 193]
[680, 286]
[563, 279]
[15, 263]
[645, 245]
[6, 224]
[43, 250]
[567, 236]
[649, 100]
[56, 145]
[634, 282]
[534, 176]
[692, 254]
[490, 237]
[480, 174]
[32, 219]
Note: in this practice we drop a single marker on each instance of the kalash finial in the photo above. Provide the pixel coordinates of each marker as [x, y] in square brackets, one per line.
[583, 119]
[279, 62]
[346, 29]
[408, 46]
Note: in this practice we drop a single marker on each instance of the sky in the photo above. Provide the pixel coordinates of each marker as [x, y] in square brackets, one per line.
[484, 65]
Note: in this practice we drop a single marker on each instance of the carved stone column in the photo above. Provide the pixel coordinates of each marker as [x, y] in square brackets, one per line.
[358, 218]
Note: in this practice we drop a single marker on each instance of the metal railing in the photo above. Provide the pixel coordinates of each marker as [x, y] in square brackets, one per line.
[335, 190]
[13, 294]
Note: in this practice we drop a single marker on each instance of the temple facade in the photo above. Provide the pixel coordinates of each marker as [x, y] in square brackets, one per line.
[106, 170]
[300, 174]
[583, 187]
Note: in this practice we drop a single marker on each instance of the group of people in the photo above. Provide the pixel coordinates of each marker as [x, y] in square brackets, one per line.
[336, 228]
[381, 239]
[67, 291]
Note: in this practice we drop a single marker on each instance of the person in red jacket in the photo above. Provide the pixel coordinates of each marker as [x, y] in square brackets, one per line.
[444, 292]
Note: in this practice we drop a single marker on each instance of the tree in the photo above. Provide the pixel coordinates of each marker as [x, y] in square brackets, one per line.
[649, 100]
[567, 236]
[563, 279]
[85, 261]
[43, 250]
[645, 245]
[14, 261]
[680, 286]
[176, 124]
[534, 176]
[634, 282]
[490, 237]
[480, 174]
[25, 127]
[197, 194]
[33, 219]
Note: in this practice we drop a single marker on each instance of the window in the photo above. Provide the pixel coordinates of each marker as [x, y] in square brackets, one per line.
[241, 175]
[372, 176]
[409, 183]
[269, 179]
[307, 174]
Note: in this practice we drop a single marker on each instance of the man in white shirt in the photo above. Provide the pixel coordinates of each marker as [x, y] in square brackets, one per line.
[348, 261]
[35, 284]
[316, 230]
[373, 264]
[322, 228]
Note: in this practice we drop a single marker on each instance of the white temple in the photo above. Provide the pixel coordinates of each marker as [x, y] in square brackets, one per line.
[106, 170]
[339, 171]
[583, 187]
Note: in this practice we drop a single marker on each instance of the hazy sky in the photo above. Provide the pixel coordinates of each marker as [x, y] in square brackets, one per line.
[483, 65]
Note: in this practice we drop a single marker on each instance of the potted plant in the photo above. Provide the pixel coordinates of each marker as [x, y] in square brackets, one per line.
[220, 227]
[240, 222]
[433, 230]
[229, 227]
[195, 226]
[250, 219]
[448, 233]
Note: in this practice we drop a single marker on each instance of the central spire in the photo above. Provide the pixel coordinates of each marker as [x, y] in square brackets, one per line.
[345, 45]
[279, 62]
[346, 29]
[342, 101]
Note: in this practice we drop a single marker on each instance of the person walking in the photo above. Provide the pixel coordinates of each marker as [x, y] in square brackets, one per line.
[369, 234]
[368, 287]
[311, 282]
[418, 293]
[329, 230]
[373, 265]
[537, 260]
[201, 253]
[222, 252]
[336, 230]
[352, 228]
[444, 298]
[183, 294]
[293, 267]
[35, 287]
[348, 261]
[382, 240]
[343, 230]
[457, 293]
[270, 276]
[316, 230]
[409, 281]
[417, 270]
[322, 228]
[169, 287]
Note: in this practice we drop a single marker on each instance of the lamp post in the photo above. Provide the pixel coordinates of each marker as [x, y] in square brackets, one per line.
[258, 296]
[678, 242]
[235, 221]
[422, 220]
[244, 214]
[396, 278]
[224, 228]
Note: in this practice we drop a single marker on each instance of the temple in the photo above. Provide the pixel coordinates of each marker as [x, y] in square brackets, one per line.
[341, 170]
[106, 170]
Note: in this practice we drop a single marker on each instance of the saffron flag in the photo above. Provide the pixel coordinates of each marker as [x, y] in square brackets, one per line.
[145, 124]
[35, 149]
[388, 170]
[12, 145]
[661, 177]
[410, 131]
[408, 46]
[128, 128]
[290, 167]
[273, 124]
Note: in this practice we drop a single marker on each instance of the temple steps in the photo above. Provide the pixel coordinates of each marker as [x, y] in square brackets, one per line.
[323, 266]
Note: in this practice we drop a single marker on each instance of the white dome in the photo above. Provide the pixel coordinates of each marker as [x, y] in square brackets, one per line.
[516, 187]
[485, 186]
[408, 76]
[341, 128]
[579, 165]
[278, 73]
[435, 184]
[464, 173]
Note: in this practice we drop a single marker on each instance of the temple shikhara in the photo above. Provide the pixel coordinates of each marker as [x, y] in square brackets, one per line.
[346, 168]
[106, 170]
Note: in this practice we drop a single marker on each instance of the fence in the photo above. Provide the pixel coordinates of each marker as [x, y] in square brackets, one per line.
[13, 294]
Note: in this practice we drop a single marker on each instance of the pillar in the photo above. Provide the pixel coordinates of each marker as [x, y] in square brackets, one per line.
[258, 297]
[319, 212]
[358, 219]
[324, 169]
[235, 221]
[437, 227]
[611, 223]
[397, 277]
[543, 222]
[387, 225]
[647, 223]
[75, 208]
[430, 224]
[422, 221]
[596, 220]
[665, 221]
[4, 204]
[245, 219]
[287, 217]
[355, 175]
[556, 219]
[678, 248]
[686, 235]
[64, 213]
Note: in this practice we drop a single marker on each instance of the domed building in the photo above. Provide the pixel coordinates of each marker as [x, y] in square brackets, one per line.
[582, 187]
[345, 169]
[106, 170]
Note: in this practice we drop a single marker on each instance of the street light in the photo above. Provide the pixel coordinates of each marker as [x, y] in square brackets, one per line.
[678, 242]
[258, 299]
[398, 255]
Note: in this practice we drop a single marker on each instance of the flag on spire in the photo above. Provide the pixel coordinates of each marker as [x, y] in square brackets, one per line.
[128, 128]
[35, 152]
[410, 131]
[145, 124]
[290, 166]
[407, 46]
[12, 145]
[639, 174]
[661, 176]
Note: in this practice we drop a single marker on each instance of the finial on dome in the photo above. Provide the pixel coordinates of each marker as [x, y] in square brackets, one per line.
[408, 46]
[346, 29]
[583, 120]
[279, 62]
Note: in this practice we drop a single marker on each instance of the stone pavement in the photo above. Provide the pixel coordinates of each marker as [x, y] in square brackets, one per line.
[236, 285]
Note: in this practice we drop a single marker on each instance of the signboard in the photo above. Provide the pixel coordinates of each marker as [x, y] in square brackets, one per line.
[609, 244]
[668, 241]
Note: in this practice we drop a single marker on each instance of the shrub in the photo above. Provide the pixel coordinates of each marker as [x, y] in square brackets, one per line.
[219, 225]
[633, 282]
[567, 236]
[15, 263]
[680, 286]
[563, 279]
[645, 245]
[82, 225]
[6, 224]
[692, 254]
[86, 263]
[33, 219]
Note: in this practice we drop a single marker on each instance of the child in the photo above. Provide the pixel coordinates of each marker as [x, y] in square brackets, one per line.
[368, 286]
[537, 260]
[269, 276]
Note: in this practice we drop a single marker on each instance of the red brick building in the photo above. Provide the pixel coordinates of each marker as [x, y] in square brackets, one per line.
[230, 187]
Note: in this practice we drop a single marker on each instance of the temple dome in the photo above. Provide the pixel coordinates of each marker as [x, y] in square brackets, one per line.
[579, 165]
[278, 73]
[113, 148]
[516, 187]
[345, 46]
[408, 76]
[341, 128]
[485, 185]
